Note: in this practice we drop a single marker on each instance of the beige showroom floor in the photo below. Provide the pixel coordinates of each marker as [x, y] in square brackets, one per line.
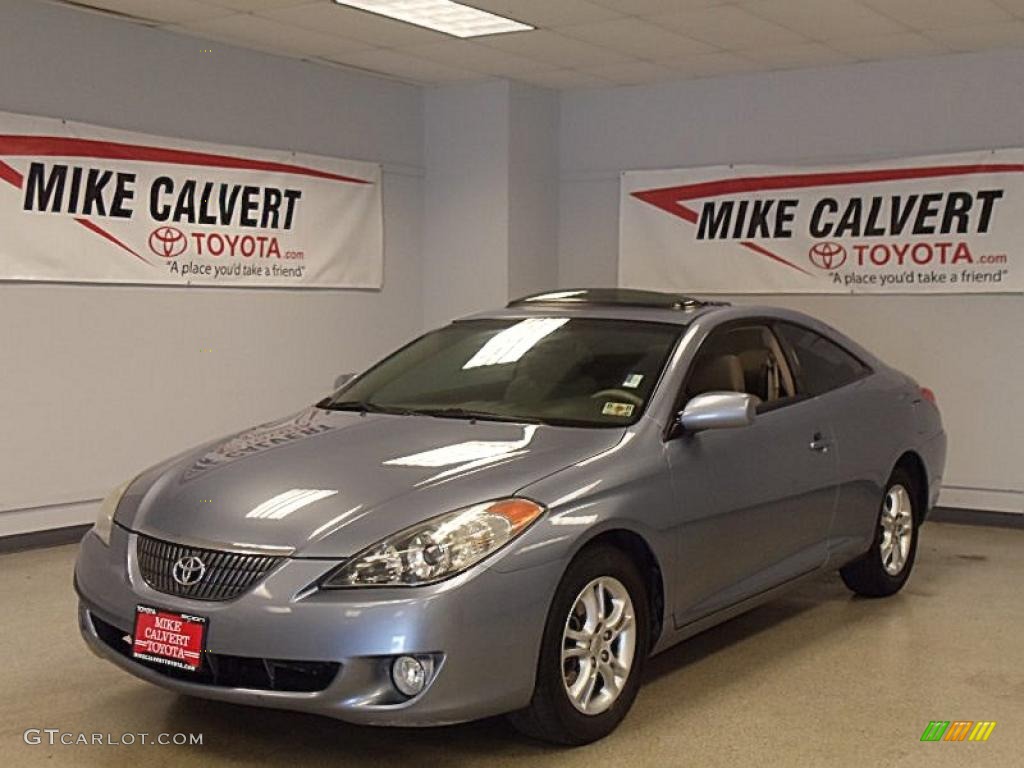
[816, 678]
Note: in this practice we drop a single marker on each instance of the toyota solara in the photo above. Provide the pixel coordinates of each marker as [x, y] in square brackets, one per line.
[512, 513]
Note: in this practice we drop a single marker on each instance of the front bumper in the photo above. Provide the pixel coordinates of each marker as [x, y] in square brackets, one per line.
[484, 629]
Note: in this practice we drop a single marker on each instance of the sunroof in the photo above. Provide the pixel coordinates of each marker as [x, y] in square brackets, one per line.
[622, 297]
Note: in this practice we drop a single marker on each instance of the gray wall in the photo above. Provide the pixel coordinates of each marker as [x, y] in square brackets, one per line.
[97, 382]
[490, 227]
[466, 200]
[967, 348]
[533, 190]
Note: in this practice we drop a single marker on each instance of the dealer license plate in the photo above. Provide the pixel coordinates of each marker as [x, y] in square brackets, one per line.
[167, 637]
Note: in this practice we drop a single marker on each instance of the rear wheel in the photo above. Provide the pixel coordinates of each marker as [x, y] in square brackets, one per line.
[593, 651]
[885, 568]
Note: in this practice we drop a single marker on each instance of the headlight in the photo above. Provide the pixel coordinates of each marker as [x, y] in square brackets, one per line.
[438, 548]
[105, 519]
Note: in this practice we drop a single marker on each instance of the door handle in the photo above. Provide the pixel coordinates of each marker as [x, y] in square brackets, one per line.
[819, 443]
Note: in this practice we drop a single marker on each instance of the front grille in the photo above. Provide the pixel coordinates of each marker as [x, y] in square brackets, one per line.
[225, 671]
[226, 575]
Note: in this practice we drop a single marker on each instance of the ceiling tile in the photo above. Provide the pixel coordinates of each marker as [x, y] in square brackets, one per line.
[166, 11]
[977, 37]
[260, 33]
[557, 50]
[548, 13]
[711, 64]
[798, 56]
[902, 46]
[330, 18]
[406, 67]
[633, 72]
[587, 43]
[563, 78]
[730, 28]
[636, 38]
[939, 14]
[478, 58]
[652, 7]
[824, 19]
[1016, 7]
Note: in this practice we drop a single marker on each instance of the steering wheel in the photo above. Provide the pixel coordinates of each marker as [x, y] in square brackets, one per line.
[618, 394]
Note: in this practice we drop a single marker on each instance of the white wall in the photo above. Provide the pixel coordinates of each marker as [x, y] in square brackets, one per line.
[533, 190]
[466, 200]
[97, 382]
[490, 228]
[967, 348]
[491, 211]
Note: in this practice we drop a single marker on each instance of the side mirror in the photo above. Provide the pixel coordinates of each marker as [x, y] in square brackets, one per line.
[718, 410]
[342, 380]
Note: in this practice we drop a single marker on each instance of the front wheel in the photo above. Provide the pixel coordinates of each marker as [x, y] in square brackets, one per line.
[593, 651]
[886, 567]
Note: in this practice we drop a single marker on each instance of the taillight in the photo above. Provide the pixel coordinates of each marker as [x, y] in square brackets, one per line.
[928, 395]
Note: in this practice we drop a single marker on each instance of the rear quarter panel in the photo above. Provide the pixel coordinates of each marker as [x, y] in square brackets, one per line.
[877, 420]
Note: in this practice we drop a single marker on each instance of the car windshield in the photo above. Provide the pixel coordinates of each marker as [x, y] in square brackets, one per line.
[552, 370]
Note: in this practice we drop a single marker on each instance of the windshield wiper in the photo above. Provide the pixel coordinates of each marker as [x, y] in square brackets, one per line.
[366, 407]
[465, 413]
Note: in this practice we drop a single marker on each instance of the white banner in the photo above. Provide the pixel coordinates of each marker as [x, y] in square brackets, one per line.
[79, 203]
[946, 224]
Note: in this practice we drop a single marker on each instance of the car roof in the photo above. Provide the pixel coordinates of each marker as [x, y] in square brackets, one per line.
[608, 304]
[659, 307]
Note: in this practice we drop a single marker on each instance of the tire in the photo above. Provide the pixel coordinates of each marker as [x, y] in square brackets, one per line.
[873, 574]
[552, 715]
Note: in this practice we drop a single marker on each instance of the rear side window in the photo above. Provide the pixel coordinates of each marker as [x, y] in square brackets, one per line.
[820, 365]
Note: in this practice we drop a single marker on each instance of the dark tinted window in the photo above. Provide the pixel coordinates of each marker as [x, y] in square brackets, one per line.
[820, 365]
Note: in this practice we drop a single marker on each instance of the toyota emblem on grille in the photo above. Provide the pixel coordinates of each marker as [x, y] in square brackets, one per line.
[188, 570]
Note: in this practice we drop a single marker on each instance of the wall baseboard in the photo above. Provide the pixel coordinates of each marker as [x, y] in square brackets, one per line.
[56, 516]
[983, 499]
[976, 517]
[38, 539]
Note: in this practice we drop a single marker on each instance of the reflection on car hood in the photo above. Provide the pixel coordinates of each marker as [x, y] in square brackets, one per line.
[327, 484]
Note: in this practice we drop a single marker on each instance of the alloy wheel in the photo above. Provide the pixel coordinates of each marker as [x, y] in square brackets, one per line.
[897, 523]
[598, 645]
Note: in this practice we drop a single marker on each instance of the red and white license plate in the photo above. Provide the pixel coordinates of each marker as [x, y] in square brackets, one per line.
[167, 637]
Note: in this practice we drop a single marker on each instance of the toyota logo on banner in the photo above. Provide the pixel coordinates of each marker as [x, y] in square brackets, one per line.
[168, 242]
[827, 255]
[188, 570]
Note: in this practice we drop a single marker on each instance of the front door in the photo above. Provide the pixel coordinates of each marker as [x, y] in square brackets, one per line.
[755, 503]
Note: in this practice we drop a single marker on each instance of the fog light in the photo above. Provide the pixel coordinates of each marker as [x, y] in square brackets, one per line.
[409, 675]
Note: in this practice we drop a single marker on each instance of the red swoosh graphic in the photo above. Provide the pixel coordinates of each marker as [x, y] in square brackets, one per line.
[93, 227]
[57, 146]
[670, 199]
[10, 175]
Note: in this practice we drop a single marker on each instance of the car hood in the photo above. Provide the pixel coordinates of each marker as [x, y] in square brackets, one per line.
[328, 484]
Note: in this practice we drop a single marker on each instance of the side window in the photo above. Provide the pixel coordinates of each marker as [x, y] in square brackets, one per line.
[820, 365]
[741, 358]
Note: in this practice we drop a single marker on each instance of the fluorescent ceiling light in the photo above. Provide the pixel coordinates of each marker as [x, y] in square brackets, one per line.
[442, 15]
